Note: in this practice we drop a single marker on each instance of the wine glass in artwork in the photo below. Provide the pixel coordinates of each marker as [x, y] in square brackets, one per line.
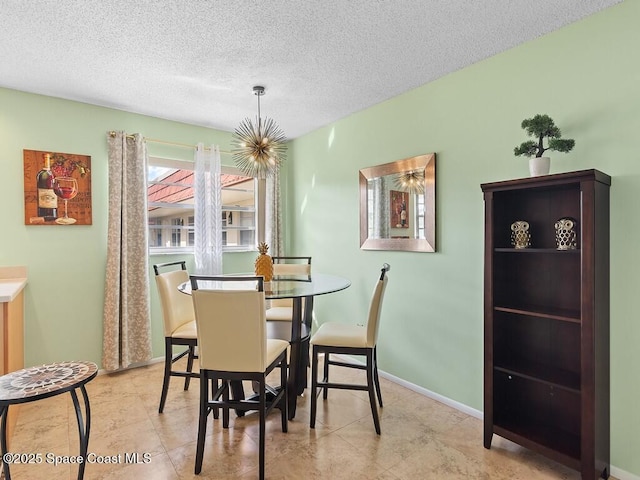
[65, 188]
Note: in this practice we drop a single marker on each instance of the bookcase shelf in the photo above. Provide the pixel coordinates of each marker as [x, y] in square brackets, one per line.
[563, 315]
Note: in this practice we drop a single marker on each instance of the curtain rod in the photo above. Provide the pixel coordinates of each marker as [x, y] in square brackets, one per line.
[174, 144]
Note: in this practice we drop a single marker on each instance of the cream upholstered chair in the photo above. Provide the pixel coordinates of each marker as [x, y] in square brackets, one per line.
[282, 309]
[179, 324]
[345, 339]
[233, 346]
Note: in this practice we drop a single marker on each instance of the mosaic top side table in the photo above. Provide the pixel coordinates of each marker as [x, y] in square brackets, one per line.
[36, 383]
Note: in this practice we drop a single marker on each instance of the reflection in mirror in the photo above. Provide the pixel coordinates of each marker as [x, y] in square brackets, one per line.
[397, 205]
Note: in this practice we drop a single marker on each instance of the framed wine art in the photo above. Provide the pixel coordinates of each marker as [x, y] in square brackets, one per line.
[57, 188]
[398, 212]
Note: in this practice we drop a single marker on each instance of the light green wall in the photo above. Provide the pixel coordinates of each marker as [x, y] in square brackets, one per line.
[587, 78]
[64, 297]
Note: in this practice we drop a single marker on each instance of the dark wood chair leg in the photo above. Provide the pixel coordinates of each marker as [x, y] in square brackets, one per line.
[314, 386]
[168, 355]
[214, 388]
[202, 421]
[284, 403]
[263, 414]
[325, 393]
[375, 375]
[189, 366]
[225, 398]
[371, 388]
[305, 362]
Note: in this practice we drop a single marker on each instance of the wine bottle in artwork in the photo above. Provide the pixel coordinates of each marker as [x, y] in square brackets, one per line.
[47, 199]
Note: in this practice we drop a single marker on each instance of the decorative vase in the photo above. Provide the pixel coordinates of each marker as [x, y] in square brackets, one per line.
[539, 166]
[264, 263]
[520, 236]
[566, 236]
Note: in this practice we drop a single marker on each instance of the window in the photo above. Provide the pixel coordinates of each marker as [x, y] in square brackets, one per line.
[191, 231]
[170, 203]
[176, 231]
[419, 211]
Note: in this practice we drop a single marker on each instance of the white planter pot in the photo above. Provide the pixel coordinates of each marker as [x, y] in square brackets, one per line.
[539, 166]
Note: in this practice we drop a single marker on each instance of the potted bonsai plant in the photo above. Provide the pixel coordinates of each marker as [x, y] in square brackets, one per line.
[541, 127]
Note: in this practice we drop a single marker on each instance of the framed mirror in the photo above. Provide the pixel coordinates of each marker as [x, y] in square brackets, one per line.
[398, 205]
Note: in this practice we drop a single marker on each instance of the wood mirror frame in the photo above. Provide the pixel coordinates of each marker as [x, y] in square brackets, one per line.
[420, 233]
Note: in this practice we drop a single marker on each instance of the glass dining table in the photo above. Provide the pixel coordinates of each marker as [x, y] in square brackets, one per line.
[298, 331]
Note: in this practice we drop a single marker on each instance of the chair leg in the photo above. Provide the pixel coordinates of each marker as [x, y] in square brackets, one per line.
[214, 388]
[168, 355]
[202, 421]
[325, 393]
[375, 375]
[284, 409]
[189, 366]
[371, 387]
[314, 386]
[263, 408]
[306, 361]
[225, 398]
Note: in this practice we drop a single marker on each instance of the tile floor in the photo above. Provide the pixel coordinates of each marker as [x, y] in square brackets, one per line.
[421, 438]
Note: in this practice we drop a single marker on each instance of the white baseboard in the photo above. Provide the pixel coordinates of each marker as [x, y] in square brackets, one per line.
[423, 391]
[622, 475]
[436, 396]
[133, 365]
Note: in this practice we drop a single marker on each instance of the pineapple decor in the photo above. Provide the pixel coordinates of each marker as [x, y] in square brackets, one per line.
[264, 264]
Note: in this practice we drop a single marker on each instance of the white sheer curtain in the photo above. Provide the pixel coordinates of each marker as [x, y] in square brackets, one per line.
[273, 214]
[208, 210]
[127, 317]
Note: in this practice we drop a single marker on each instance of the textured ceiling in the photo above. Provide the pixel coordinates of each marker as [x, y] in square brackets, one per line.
[196, 61]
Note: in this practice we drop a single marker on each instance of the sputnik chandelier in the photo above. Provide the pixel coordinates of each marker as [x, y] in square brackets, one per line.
[412, 182]
[259, 147]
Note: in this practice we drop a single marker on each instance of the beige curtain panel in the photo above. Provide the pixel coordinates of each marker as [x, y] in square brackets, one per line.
[273, 223]
[126, 322]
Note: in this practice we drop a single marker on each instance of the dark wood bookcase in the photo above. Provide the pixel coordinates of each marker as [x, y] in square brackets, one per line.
[546, 319]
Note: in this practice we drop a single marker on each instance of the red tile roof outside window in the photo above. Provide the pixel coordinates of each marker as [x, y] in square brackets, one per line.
[170, 196]
[158, 192]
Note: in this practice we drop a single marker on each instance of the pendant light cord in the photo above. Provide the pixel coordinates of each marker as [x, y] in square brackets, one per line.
[259, 93]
